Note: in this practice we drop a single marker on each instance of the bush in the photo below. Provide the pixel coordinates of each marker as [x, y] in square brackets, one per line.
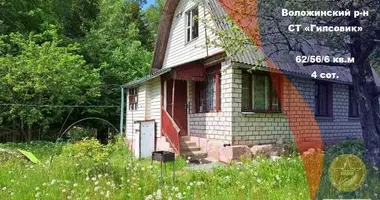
[88, 153]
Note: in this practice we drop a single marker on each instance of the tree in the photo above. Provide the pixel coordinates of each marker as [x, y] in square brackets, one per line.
[272, 29]
[113, 46]
[26, 15]
[40, 79]
[151, 17]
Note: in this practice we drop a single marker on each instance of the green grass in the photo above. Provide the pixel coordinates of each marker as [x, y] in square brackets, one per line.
[88, 170]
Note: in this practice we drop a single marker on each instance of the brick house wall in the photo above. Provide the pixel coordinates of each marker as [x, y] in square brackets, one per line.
[262, 128]
[216, 125]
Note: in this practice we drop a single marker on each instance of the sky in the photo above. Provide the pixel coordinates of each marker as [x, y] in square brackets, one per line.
[149, 2]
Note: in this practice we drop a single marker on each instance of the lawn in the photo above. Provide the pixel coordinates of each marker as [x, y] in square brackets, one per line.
[89, 170]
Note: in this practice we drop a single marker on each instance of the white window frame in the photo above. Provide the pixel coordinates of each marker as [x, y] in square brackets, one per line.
[189, 28]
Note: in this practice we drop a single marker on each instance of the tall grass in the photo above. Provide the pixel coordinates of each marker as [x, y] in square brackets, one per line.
[88, 170]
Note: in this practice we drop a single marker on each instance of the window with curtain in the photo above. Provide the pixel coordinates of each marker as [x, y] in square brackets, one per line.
[259, 92]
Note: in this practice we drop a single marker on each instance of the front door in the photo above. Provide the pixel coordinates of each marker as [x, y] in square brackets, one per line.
[180, 102]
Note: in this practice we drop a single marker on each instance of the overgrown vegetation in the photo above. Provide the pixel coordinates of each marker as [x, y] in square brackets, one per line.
[89, 170]
[67, 59]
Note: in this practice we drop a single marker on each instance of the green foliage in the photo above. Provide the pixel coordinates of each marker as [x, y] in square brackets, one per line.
[152, 17]
[78, 133]
[127, 178]
[232, 39]
[41, 72]
[87, 150]
[57, 52]
[115, 48]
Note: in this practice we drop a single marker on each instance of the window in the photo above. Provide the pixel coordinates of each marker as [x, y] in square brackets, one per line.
[323, 99]
[192, 24]
[259, 92]
[353, 110]
[132, 95]
[208, 93]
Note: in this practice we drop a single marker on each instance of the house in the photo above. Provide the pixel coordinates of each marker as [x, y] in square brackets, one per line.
[202, 101]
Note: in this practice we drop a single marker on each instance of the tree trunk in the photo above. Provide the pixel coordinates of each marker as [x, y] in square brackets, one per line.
[29, 133]
[369, 109]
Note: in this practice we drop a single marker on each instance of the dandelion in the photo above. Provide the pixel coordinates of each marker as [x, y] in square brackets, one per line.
[37, 195]
[179, 195]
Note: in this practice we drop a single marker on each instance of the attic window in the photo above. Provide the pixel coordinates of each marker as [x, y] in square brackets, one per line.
[192, 25]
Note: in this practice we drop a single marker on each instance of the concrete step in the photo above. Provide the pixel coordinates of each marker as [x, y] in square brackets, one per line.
[185, 138]
[194, 155]
[188, 144]
[189, 148]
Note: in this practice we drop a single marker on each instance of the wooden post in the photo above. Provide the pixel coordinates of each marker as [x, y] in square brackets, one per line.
[173, 92]
[217, 92]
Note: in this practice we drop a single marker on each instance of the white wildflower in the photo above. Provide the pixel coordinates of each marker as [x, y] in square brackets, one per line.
[179, 195]
[149, 197]
[37, 195]
[4, 188]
